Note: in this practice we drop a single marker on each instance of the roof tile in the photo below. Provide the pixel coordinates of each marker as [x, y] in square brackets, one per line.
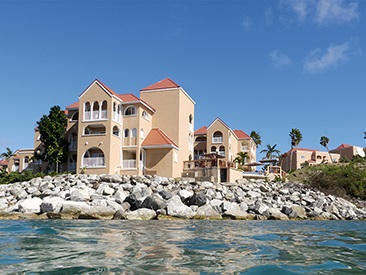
[157, 137]
[166, 83]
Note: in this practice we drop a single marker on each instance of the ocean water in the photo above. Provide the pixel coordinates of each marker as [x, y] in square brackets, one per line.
[182, 247]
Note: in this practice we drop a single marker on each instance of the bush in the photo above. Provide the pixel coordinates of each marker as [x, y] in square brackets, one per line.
[6, 178]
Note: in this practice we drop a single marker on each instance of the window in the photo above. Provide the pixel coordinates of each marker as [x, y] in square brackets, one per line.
[103, 113]
[94, 157]
[133, 132]
[217, 137]
[87, 111]
[116, 131]
[142, 134]
[95, 110]
[116, 111]
[130, 111]
[94, 130]
[127, 133]
[145, 115]
[213, 149]
[75, 116]
[73, 140]
[222, 151]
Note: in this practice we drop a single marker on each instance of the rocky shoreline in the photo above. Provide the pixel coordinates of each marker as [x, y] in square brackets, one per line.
[154, 197]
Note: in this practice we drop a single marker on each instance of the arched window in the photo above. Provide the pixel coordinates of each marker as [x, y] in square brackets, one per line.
[222, 151]
[25, 162]
[213, 149]
[94, 130]
[217, 137]
[103, 114]
[190, 119]
[75, 116]
[127, 133]
[145, 115]
[130, 111]
[134, 132]
[96, 110]
[94, 157]
[73, 139]
[87, 111]
[116, 131]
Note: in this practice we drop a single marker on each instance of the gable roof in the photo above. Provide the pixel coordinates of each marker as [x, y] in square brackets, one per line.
[4, 162]
[221, 121]
[73, 106]
[241, 135]
[342, 146]
[166, 83]
[158, 139]
[108, 90]
[201, 131]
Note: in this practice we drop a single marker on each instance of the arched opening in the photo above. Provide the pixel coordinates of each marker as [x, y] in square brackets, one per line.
[222, 151]
[73, 140]
[94, 157]
[75, 116]
[94, 130]
[217, 137]
[96, 110]
[103, 114]
[25, 162]
[130, 111]
[87, 111]
[145, 115]
[213, 149]
[201, 139]
[116, 131]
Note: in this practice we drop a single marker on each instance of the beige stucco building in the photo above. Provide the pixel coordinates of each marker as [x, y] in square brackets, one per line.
[348, 151]
[113, 133]
[297, 157]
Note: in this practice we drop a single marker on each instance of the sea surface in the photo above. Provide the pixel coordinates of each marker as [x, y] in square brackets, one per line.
[182, 247]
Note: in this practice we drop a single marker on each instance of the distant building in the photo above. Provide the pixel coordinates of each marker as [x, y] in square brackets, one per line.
[297, 157]
[348, 151]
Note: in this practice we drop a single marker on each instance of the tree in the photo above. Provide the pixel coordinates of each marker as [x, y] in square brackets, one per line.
[271, 151]
[296, 138]
[324, 142]
[52, 130]
[8, 154]
[256, 137]
[241, 158]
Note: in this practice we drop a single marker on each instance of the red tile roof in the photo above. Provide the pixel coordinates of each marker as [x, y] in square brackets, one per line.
[157, 137]
[3, 162]
[128, 97]
[342, 146]
[166, 83]
[201, 131]
[241, 135]
[75, 105]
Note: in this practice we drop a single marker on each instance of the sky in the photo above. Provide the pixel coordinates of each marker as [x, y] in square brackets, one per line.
[267, 66]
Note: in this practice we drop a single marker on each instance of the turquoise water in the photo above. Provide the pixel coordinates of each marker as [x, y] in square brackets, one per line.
[182, 247]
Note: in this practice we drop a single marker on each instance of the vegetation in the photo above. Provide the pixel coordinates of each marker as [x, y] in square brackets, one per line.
[296, 138]
[52, 135]
[7, 154]
[271, 151]
[256, 137]
[6, 178]
[324, 142]
[241, 159]
[342, 179]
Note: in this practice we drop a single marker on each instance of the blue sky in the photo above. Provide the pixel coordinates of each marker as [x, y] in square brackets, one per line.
[267, 66]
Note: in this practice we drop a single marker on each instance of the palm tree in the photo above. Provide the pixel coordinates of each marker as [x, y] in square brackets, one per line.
[271, 151]
[241, 158]
[256, 137]
[324, 142]
[8, 154]
[296, 138]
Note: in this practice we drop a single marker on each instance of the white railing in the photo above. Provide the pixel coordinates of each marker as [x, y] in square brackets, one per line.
[129, 164]
[93, 162]
[217, 140]
[142, 166]
[95, 114]
[87, 116]
[245, 148]
[116, 116]
[103, 114]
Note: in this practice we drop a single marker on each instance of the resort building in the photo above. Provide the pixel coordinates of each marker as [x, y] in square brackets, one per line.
[20, 161]
[113, 133]
[297, 157]
[215, 148]
[348, 151]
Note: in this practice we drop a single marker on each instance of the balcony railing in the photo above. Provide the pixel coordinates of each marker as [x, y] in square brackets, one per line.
[217, 140]
[93, 162]
[116, 117]
[222, 153]
[129, 141]
[87, 116]
[103, 114]
[245, 148]
[129, 164]
[95, 114]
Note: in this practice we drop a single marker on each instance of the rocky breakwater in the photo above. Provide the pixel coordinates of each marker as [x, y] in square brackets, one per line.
[154, 197]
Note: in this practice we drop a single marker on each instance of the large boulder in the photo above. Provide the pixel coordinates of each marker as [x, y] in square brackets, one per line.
[52, 204]
[176, 208]
[80, 195]
[155, 202]
[197, 199]
[207, 212]
[140, 214]
[32, 205]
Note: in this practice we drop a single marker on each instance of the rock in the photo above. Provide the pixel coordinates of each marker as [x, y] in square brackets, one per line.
[74, 207]
[140, 214]
[176, 208]
[297, 211]
[32, 205]
[207, 212]
[166, 195]
[51, 204]
[120, 196]
[79, 195]
[197, 199]
[154, 202]
[253, 194]
[185, 194]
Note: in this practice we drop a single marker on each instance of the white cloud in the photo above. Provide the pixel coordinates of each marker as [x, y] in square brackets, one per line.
[279, 60]
[319, 62]
[335, 11]
[301, 8]
[247, 23]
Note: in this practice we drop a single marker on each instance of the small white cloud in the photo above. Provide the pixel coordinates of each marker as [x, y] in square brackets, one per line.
[319, 62]
[301, 8]
[335, 11]
[247, 23]
[279, 60]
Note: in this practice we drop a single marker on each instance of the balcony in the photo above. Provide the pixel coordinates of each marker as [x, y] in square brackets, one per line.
[244, 148]
[129, 141]
[217, 140]
[93, 162]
